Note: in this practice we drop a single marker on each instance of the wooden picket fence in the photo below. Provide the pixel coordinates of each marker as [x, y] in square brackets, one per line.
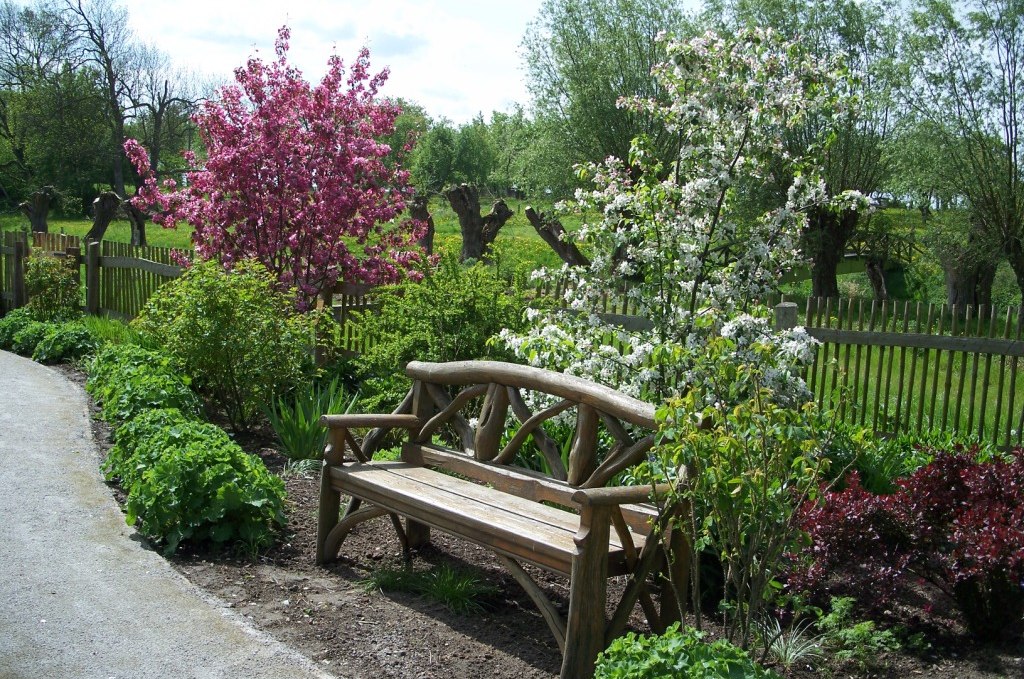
[118, 277]
[901, 366]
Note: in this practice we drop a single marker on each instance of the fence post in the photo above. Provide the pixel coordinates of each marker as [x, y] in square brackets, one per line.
[92, 278]
[785, 316]
[20, 294]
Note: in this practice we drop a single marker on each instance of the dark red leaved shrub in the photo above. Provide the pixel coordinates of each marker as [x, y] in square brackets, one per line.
[955, 522]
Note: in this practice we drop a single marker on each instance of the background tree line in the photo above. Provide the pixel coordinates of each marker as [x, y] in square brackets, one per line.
[935, 127]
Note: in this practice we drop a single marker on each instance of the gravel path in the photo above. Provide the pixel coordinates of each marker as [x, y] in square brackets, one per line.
[79, 594]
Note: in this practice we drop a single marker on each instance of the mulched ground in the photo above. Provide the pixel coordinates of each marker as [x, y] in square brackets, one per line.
[328, 613]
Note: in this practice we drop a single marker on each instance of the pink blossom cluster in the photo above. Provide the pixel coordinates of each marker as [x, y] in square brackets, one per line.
[294, 177]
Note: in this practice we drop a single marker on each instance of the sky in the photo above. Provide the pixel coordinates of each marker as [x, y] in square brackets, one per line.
[456, 58]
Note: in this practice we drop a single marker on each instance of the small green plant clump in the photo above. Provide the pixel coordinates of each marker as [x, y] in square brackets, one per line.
[296, 422]
[28, 338]
[676, 654]
[188, 481]
[858, 641]
[235, 333]
[129, 380]
[458, 590]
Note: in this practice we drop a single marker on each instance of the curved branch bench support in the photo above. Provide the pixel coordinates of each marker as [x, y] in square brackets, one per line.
[568, 520]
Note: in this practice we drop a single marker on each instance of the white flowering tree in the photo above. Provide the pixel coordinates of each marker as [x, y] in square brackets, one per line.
[679, 240]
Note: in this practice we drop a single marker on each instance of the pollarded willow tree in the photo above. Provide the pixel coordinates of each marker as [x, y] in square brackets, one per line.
[678, 237]
[295, 177]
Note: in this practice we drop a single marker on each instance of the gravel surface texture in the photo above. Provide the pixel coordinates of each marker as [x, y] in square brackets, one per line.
[80, 595]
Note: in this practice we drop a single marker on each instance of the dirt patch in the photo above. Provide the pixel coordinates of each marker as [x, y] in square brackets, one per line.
[328, 614]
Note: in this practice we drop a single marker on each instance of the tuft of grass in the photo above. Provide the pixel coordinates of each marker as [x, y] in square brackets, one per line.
[459, 591]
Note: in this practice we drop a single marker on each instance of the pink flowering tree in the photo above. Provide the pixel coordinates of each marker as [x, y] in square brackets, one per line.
[295, 177]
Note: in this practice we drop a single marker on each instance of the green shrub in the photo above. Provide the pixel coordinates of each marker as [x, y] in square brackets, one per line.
[26, 339]
[129, 380]
[11, 324]
[202, 489]
[296, 420]
[65, 342]
[54, 287]
[449, 316]
[676, 655]
[234, 333]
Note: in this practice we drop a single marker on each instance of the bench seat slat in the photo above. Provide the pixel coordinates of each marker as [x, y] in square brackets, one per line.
[518, 528]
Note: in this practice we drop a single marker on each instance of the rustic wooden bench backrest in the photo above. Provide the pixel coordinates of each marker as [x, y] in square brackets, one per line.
[429, 407]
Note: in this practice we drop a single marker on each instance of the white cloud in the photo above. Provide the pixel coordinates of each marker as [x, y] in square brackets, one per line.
[454, 57]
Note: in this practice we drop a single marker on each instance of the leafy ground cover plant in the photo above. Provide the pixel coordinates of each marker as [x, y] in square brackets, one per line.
[204, 488]
[676, 654]
[129, 380]
[11, 324]
[142, 440]
[29, 336]
[850, 640]
[65, 342]
[296, 420]
[238, 337]
[957, 522]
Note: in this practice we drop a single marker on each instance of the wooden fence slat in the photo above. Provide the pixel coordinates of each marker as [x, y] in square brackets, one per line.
[1002, 381]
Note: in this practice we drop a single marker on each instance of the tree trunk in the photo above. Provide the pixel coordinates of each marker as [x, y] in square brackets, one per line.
[825, 242]
[968, 284]
[103, 210]
[137, 220]
[554, 234]
[37, 208]
[419, 210]
[876, 275]
[478, 232]
[1015, 255]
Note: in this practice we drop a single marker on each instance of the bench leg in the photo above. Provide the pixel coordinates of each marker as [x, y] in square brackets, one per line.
[416, 534]
[327, 518]
[584, 637]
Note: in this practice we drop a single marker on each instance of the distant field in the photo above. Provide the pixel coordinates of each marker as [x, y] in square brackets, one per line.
[516, 236]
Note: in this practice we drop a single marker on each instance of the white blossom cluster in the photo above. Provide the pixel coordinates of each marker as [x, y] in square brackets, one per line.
[675, 239]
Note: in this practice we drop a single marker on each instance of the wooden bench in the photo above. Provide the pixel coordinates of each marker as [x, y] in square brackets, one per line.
[568, 521]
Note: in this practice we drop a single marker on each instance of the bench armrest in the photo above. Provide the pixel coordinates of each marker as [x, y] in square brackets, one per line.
[619, 495]
[359, 420]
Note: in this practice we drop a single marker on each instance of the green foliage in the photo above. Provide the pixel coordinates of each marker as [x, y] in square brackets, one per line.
[65, 342]
[113, 331]
[140, 442]
[749, 466]
[11, 324]
[860, 641]
[459, 591]
[205, 489]
[54, 287]
[296, 419]
[676, 655]
[234, 332]
[26, 339]
[450, 316]
[129, 380]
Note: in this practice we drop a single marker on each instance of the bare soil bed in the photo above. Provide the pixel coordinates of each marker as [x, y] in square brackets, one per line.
[329, 614]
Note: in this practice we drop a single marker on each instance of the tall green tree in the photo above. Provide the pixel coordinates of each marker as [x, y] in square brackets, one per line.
[967, 61]
[581, 57]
